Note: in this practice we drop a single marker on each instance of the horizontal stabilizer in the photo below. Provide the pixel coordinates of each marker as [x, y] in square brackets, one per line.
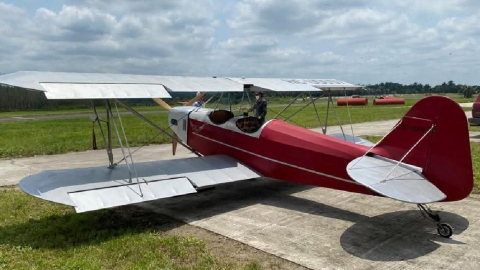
[353, 139]
[96, 188]
[395, 180]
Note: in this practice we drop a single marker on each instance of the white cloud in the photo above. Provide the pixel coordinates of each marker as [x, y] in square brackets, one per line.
[357, 40]
[74, 24]
[461, 25]
[433, 7]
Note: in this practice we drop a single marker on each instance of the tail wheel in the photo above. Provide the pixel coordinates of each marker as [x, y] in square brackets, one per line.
[444, 230]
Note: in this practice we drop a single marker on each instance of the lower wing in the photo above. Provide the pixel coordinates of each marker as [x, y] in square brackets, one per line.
[89, 189]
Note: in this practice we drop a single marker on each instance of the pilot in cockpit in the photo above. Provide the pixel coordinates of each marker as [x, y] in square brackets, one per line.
[260, 108]
[199, 102]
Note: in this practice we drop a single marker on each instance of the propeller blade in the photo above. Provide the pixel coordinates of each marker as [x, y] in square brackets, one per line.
[190, 103]
[175, 143]
[162, 103]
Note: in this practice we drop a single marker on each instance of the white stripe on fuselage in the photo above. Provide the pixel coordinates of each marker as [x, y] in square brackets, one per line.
[278, 161]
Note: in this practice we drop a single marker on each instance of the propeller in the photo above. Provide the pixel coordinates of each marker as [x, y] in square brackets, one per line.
[167, 107]
[175, 143]
[162, 103]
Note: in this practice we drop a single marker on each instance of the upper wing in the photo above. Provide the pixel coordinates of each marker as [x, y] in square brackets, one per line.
[325, 84]
[63, 85]
[89, 189]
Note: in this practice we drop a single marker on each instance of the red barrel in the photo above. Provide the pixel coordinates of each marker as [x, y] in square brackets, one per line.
[352, 101]
[389, 101]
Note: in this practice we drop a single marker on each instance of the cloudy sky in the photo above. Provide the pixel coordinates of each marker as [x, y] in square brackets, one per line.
[359, 41]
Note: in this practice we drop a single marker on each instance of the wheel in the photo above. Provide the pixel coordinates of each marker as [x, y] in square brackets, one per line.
[444, 230]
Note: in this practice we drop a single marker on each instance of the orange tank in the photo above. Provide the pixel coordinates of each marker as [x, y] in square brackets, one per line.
[352, 101]
[389, 101]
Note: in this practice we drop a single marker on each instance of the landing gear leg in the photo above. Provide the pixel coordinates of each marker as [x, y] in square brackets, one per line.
[443, 229]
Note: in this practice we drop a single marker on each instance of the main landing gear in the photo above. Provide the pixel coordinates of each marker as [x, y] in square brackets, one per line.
[443, 229]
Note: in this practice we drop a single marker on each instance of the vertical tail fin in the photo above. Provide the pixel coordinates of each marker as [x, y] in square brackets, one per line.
[434, 135]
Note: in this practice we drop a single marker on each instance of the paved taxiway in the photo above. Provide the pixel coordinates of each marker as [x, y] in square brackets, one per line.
[314, 227]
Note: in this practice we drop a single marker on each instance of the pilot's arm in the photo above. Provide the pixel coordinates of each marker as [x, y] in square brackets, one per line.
[253, 107]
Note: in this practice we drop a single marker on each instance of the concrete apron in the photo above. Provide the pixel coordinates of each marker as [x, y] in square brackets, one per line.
[327, 229]
[315, 227]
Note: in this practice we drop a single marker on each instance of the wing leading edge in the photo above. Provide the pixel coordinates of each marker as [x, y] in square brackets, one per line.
[64, 85]
[89, 189]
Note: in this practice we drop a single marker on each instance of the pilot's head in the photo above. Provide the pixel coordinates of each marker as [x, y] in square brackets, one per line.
[201, 96]
[258, 95]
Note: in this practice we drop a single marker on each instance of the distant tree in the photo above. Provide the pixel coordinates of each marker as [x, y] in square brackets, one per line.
[467, 91]
[427, 88]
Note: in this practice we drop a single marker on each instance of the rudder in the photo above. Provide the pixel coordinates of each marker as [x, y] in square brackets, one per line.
[434, 133]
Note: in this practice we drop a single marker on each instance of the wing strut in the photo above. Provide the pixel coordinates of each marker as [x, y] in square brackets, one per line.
[146, 120]
[107, 145]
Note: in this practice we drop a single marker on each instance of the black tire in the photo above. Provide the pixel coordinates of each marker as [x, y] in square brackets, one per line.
[444, 230]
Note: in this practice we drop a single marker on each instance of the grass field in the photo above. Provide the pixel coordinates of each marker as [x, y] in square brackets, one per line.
[36, 234]
[37, 137]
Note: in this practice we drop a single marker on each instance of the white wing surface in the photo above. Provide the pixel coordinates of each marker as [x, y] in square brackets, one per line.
[103, 91]
[89, 189]
[401, 182]
[63, 85]
[273, 84]
[325, 84]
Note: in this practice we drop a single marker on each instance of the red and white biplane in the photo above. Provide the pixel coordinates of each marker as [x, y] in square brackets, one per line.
[425, 158]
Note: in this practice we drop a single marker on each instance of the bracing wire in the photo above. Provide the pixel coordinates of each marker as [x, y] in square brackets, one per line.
[126, 142]
[349, 115]
[123, 152]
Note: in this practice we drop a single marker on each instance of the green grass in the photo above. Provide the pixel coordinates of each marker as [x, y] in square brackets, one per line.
[36, 234]
[39, 137]
[308, 118]
[475, 148]
[45, 137]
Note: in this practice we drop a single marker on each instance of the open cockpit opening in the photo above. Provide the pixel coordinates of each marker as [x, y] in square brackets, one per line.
[219, 117]
[248, 124]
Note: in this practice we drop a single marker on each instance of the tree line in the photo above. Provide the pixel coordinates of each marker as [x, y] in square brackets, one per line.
[13, 98]
[389, 88]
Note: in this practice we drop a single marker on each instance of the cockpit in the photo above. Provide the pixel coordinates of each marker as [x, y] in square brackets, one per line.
[219, 117]
[247, 124]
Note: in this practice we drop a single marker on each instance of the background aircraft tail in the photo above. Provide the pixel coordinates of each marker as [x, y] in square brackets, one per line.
[434, 136]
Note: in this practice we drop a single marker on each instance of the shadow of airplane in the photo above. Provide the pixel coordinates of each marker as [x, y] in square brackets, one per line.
[72, 230]
[368, 238]
[229, 197]
[63, 231]
[398, 236]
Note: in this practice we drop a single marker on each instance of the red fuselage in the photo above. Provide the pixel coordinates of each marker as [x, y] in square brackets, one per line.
[283, 151]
